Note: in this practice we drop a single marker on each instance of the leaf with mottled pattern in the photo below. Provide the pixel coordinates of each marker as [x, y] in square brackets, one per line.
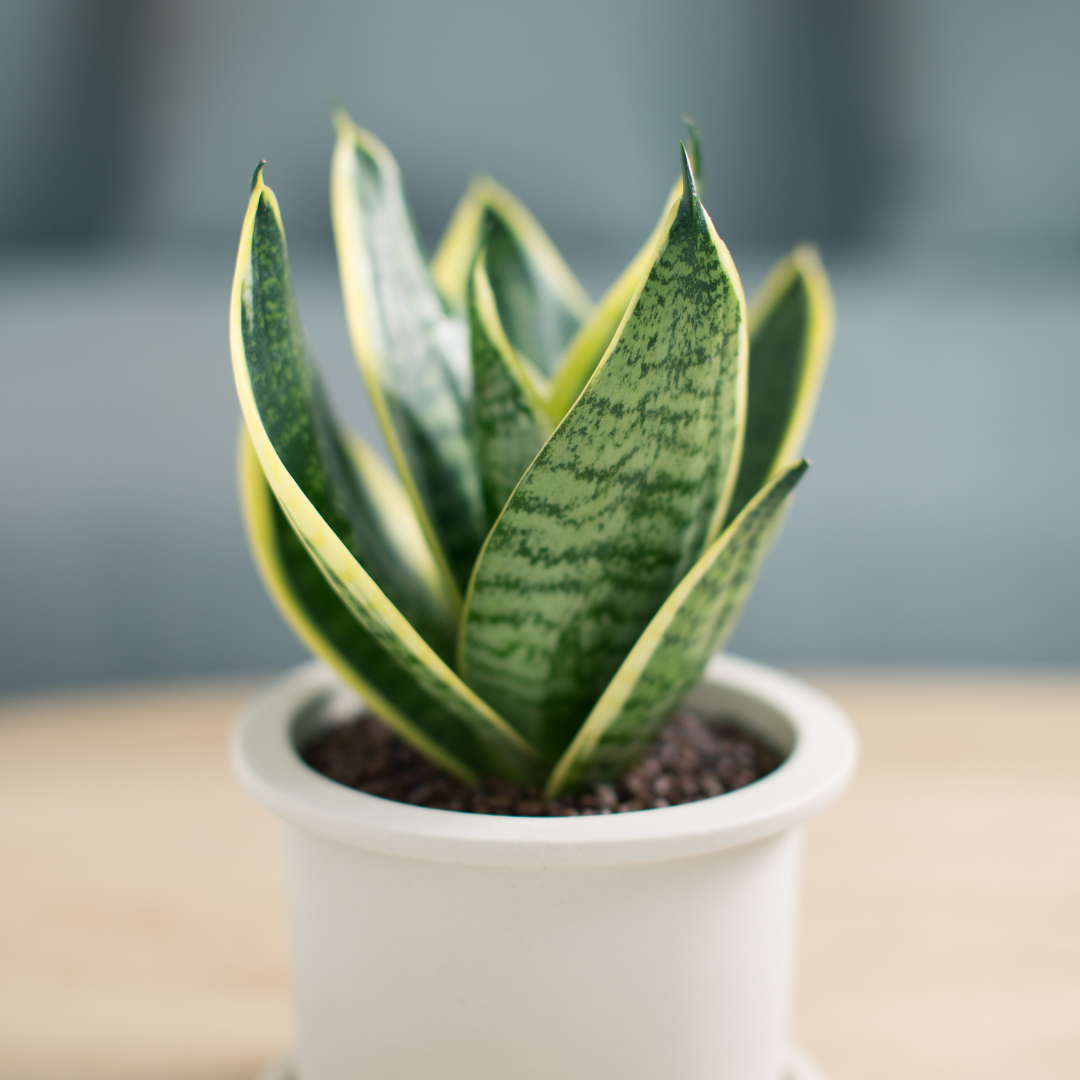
[541, 304]
[593, 337]
[620, 501]
[669, 656]
[413, 355]
[591, 341]
[791, 329]
[304, 462]
[508, 421]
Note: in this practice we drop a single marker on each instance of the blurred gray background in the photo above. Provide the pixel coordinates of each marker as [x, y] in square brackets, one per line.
[930, 147]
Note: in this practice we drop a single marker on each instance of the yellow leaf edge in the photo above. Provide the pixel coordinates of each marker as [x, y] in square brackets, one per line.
[622, 684]
[346, 227]
[255, 496]
[453, 258]
[663, 229]
[530, 381]
[805, 262]
[398, 515]
[572, 370]
[306, 520]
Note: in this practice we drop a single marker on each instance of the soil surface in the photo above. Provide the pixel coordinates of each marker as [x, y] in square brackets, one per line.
[690, 760]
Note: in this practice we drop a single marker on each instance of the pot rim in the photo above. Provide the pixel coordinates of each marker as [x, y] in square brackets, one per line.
[823, 751]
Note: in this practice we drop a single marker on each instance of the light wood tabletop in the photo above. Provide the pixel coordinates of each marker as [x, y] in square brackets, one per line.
[142, 921]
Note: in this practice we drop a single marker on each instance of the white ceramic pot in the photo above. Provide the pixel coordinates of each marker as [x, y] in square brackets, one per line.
[455, 946]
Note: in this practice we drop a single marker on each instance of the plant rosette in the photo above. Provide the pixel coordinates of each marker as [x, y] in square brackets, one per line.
[580, 500]
[479, 947]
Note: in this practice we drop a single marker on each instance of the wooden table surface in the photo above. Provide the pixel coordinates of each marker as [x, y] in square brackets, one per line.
[142, 918]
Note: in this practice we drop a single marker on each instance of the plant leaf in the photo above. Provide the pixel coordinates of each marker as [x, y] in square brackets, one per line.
[619, 502]
[508, 421]
[394, 516]
[541, 304]
[670, 655]
[791, 320]
[590, 342]
[439, 725]
[594, 336]
[413, 355]
[357, 503]
[697, 162]
[274, 380]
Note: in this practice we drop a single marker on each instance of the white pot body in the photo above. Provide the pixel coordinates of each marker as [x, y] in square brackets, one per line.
[473, 947]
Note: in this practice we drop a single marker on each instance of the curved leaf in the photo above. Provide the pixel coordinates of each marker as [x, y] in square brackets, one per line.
[326, 627]
[413, 355]
[508, 421]
[271, 368]
[355, 503]
[619, 502]
[394, 516]
[670, 655]
[791, 322]
[541, 304]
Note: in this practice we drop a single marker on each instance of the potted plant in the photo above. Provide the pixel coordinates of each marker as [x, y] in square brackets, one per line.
[583, 497]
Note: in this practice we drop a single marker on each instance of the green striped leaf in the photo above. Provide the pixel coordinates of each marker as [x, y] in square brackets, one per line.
[541, 304]
[304, 465]
[413, 355]
[619, 503]
[442, 726]
[672, 652]
[508, 421]
[791, 323]
[590, 342]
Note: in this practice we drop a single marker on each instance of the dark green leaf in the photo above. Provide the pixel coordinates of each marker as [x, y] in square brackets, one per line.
[620, 501]
[791, 328]
[508, 422]
[541, 304]
[413, 355]
[297, 419]
[672, 652]
[289, 432]
[449, 728]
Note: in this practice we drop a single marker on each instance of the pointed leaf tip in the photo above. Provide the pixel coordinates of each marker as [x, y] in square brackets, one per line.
[555, 603]
[689, 186]
[256, 176]
[696, 160]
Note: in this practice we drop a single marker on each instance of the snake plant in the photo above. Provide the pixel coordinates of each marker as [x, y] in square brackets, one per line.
[582, 494]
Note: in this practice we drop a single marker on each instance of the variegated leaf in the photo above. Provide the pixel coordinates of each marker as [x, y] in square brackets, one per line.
[541, 304]
[293, 409]
[618, 504]
[670, 655]
[509, 424]
[303, 465]
[595, 334]
[413, 355]
[327, 627]
[791, 330]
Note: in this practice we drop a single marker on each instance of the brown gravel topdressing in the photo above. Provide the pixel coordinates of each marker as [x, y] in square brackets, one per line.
[690, 760]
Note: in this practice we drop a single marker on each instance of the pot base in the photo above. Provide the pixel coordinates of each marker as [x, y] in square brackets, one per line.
[797, 1067]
